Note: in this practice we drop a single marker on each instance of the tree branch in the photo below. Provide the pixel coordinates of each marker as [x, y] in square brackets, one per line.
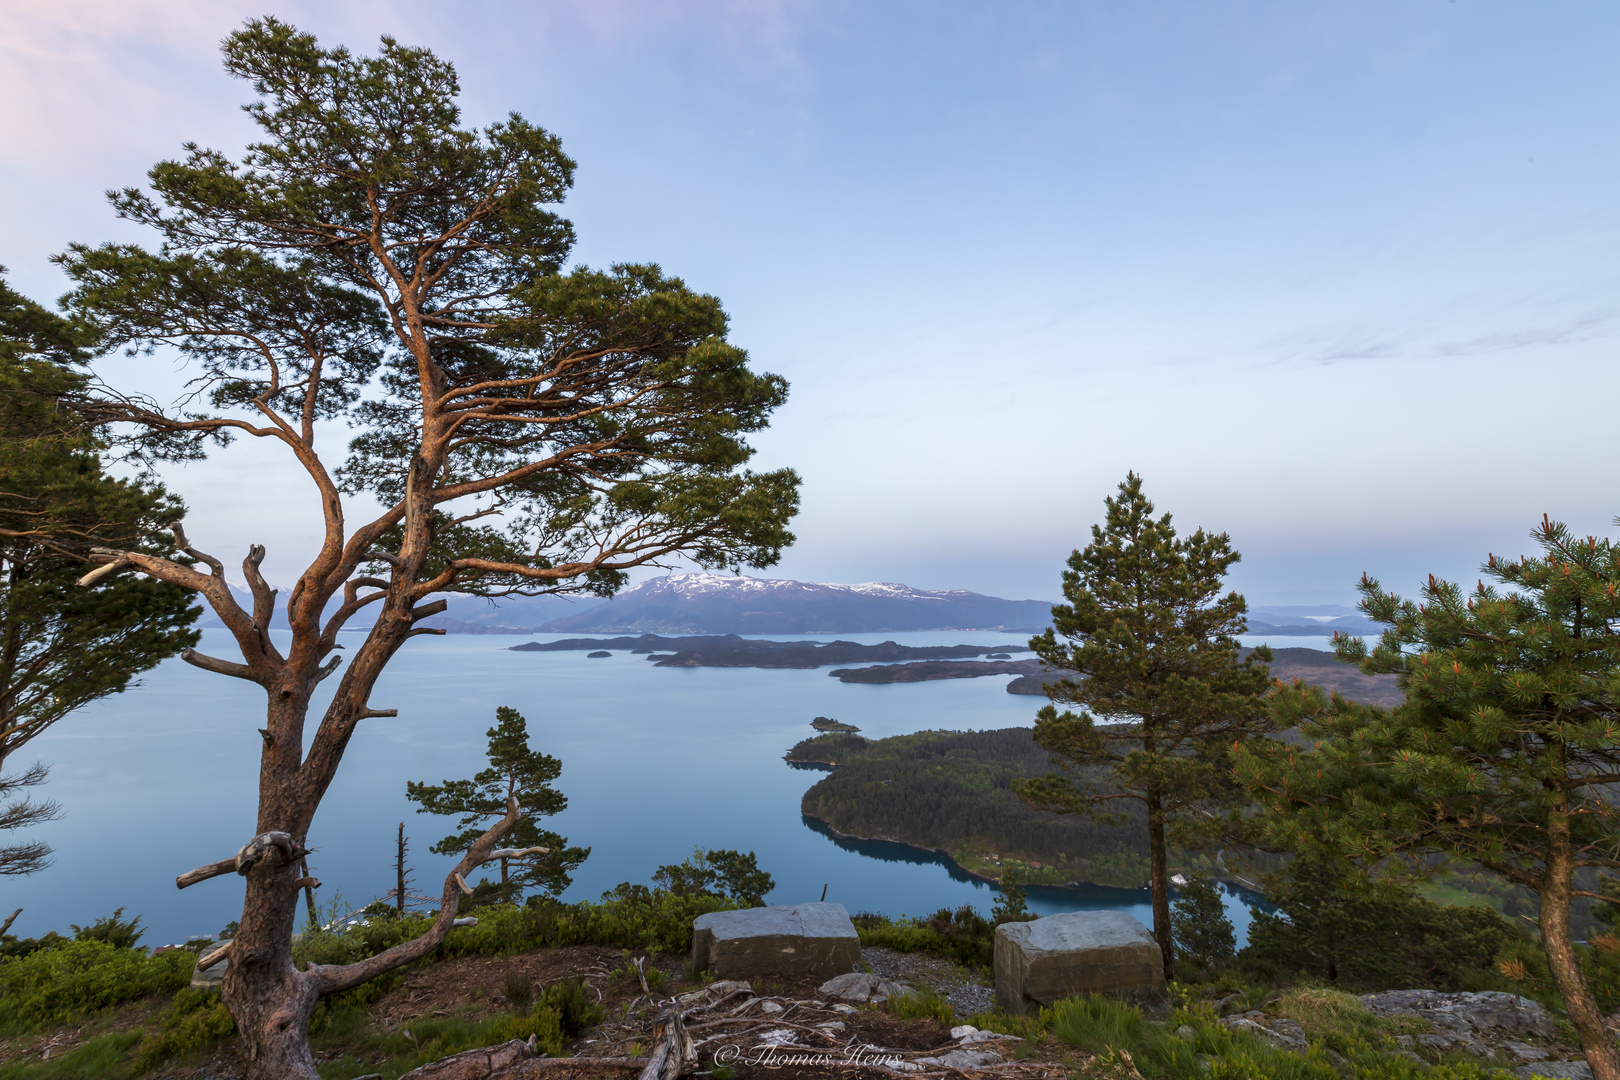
[218, 666]
[330, 979]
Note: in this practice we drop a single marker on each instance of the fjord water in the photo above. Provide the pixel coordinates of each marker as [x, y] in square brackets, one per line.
[164, 778]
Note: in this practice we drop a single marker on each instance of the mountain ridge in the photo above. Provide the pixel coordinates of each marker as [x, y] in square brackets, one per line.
[712, 603]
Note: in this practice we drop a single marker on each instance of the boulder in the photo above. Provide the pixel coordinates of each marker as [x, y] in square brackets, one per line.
[858, 986]
[1489, 1012]
[798, 939]
[1525, 1052]
[1077, 952]
[209, 978]
[1284, 1034]
[963, 1059]
[1556, 1070]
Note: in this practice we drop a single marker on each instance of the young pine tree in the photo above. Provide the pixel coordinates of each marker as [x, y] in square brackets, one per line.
[514, 771]
[1504, 754]
[1203, 933]
[1162, 693]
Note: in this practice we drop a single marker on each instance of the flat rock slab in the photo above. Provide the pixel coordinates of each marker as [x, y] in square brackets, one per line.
[1490, 1012]
[1556, 1070]
[1076, 952]
[797, 939]
[860, 987]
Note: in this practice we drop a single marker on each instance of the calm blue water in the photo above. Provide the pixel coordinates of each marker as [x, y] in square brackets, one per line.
[655, 760]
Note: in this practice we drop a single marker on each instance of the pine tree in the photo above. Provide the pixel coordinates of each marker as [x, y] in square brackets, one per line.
[1503, 756]
[1162, 692]
[1198, 920]
[62, 648]
[515, 771]
[519, 425]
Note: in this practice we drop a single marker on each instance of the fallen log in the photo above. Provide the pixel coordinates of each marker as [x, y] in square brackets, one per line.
[480, 1064]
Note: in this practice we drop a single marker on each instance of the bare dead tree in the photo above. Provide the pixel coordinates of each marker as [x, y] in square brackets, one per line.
[525, 430]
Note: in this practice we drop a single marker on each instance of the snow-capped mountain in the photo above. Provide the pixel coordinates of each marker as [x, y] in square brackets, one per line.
[716, 604]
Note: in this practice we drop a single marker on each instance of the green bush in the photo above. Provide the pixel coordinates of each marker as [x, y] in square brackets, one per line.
[113, 929]
[571, 1000]
[963, 935]
[59, 985]
[923, 1004]
[194, 1019]
[11, 946]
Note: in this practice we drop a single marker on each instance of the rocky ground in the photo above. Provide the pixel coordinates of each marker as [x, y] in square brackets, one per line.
[1505, 1030]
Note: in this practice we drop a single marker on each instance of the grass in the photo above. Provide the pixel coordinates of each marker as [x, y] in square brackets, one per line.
[925, 1003]
[104, 1058]
[1347, 1040]
[367, 1049]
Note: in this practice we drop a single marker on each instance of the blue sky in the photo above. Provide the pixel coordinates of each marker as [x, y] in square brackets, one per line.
[1339, 279]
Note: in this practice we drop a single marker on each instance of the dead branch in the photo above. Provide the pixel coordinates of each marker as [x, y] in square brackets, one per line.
[477, 1064]
[332, 978]
[391, 559]
[264, 597]
[327, 668]
[216, 665]
[575, 1068]
[675, 1051]
[184, 545]
[245, 859]
[517, 853]
[7, 924]
[203, 873]
[428, 610]
[104, 571]
[370, 713]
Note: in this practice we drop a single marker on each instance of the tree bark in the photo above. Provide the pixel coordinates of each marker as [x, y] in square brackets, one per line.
[1597, 1041]
[1160, 880]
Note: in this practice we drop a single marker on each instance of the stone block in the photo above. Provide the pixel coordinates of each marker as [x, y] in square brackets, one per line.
[209, 978]
[1076, 952]
[797, 939]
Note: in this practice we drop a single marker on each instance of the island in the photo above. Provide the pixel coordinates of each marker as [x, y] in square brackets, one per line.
[730, 650]
[827, 723]
[929, 670]
[950, 792]
[598, 654]
[1306, 665]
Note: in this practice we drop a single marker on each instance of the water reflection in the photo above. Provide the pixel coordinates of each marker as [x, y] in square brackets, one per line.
[1043, 899]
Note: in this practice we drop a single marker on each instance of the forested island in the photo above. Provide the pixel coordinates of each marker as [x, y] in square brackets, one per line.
[930, 670]
[951, 792]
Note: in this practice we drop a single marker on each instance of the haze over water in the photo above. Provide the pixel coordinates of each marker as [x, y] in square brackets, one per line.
[164, 778]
